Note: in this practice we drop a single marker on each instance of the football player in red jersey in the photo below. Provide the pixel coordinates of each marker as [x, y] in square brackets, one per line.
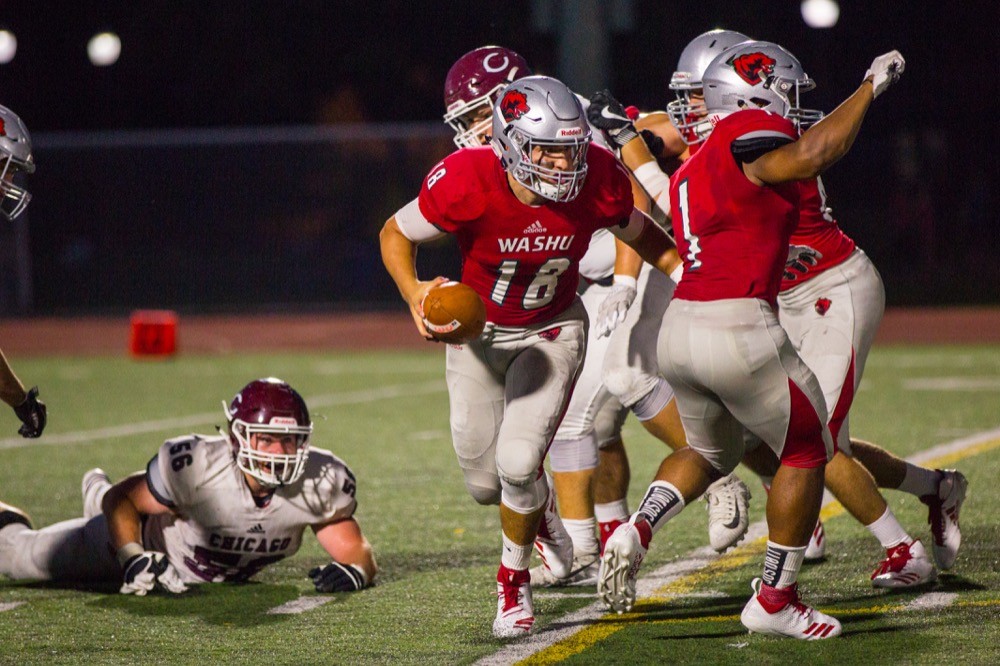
[831, 302]
[16, 157]
[207, 509]
[731, 364]
[523, 214]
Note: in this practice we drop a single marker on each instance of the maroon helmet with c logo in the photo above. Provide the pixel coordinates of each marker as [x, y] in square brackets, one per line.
[473, 82]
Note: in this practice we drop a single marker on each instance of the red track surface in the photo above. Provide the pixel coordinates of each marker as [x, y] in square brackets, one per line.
[238, 334]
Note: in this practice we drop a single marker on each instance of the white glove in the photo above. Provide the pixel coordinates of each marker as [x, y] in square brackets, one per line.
[615, 305]
[151, 570]
[885, 71]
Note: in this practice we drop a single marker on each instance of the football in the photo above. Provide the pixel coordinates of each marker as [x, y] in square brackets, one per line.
[454, 313]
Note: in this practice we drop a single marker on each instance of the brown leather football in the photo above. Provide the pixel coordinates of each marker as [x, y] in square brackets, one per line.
[454, 313]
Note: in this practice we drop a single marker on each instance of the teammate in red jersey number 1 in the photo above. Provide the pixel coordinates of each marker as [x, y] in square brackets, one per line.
[523, 211]
[730, 363]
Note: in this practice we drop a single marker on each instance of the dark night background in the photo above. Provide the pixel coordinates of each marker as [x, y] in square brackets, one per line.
[338, 106]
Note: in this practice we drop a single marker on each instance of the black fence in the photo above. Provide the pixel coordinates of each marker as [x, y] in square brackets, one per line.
[288, 219]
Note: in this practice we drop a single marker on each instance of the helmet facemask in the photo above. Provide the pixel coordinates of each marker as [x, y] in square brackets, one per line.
[471, 134]
[271, 469]
[13, 199]
[689, 115]
[550, 183]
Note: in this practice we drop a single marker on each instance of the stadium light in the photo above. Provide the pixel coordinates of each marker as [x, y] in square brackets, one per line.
[820, 13]
[8, 46]
[104, 48]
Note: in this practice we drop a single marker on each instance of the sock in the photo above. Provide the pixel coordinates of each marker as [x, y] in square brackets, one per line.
[781, 565]
[662, 502]
[583, 533]
[515, 556]
[920, 481]
[888, 531]
[609, 511]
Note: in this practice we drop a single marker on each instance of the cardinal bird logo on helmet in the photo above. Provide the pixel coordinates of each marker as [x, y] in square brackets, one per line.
[753, 67]
[514, 105]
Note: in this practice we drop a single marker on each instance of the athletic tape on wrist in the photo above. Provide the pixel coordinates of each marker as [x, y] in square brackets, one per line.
[128, 551]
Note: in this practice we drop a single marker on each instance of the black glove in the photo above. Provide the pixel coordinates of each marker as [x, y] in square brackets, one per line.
[607, 113]
[337, 577]
[32, 415]
[653, 142]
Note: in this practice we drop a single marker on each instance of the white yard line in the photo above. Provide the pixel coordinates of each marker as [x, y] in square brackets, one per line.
[216, 417]
[695, 561]
[10, 605]
[300, 605]
[932, 601]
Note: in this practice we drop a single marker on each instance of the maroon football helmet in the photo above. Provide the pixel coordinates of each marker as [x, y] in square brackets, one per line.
[473, 82]
[269, 406]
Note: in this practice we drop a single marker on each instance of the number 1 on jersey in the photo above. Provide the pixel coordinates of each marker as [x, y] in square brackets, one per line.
[693, 247]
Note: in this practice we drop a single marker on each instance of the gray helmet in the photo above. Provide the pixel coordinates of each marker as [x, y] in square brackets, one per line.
[758, 75]
[15, 155]
[686, 114]
[541, 111]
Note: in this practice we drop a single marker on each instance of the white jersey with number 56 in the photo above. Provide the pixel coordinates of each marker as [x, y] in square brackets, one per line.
[219, 533]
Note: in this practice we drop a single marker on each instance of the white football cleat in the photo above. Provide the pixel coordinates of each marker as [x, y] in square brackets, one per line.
[728, 503]
[905, 565]
[816, 549]
[515, 612]
[93, 486]
[553, 543]
[623, 553]
[794, 620]
[943, 516]
[583, 573]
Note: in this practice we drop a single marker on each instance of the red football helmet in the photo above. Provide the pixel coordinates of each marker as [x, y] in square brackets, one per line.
[474, 82]
[269, 406]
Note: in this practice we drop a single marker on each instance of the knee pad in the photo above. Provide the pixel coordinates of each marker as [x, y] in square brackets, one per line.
[527, 498]
[574, 455]
[653, 402]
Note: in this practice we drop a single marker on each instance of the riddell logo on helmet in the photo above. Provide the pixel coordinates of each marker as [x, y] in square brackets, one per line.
[573, 131]
[283, 420]
[514, 105]
[753, 67]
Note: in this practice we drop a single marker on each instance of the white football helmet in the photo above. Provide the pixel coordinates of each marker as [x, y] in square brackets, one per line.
[539, 111]
[473, 83]
[15, 155]
[269, 406]
[757, 75]
[688, 114]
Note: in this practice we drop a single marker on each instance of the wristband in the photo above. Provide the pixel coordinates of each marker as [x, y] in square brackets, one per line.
[626, 281]
[677, 273]
[128, 551]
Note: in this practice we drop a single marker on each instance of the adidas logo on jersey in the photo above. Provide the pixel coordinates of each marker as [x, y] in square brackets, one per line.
[256, 529]
[535, 228]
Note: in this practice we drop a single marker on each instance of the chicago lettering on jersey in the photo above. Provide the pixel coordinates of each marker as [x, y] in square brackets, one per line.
[536, 244]
[248, 544]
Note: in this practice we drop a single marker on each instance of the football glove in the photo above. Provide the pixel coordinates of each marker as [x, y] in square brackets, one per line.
[653, 142]
[607, 113]
[337, 577]
[885, 71]
[614, 307]
[32, 414]
[150, 570]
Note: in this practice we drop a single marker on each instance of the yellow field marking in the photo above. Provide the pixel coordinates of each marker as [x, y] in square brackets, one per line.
[739, 556]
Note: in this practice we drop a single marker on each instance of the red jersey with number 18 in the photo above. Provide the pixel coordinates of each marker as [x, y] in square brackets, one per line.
[732, 234]
[522, 260]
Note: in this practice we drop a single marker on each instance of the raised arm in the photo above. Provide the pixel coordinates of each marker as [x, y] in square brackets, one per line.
[827, 141]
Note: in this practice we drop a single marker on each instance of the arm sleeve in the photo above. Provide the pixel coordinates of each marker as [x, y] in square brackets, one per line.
[751, 146]
[656, 183]
[630, 228]
[414, 225]
[157, 484]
